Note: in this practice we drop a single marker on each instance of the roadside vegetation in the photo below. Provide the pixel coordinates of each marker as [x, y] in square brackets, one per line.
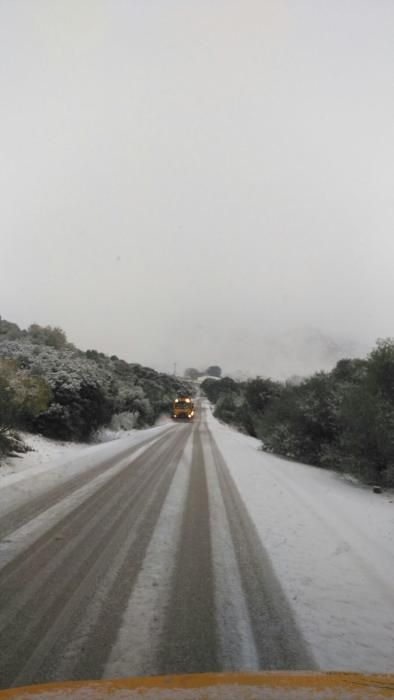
[49, 386]
[341, 420]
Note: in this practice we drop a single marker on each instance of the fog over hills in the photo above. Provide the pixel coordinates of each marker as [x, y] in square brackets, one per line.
[304, 351]
[300, 351]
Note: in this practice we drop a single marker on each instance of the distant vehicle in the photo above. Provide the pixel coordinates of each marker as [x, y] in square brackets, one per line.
[183, 408]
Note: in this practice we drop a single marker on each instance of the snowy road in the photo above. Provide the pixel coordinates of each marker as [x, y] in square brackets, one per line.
[189, 550]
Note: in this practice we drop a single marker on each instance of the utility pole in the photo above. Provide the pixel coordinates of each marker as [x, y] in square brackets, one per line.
[174, 369]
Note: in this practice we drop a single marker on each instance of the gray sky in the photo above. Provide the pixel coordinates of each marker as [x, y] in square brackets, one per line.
[182, 179]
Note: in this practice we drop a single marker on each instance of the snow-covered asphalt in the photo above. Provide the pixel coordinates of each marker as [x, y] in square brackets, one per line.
[185, 550]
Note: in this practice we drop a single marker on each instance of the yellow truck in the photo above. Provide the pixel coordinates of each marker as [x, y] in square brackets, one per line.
[183, 408]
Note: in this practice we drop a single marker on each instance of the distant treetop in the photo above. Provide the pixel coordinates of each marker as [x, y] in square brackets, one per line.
[214, 371]
[192, 373]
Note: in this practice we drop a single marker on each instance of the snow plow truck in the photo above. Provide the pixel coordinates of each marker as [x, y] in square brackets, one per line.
[183, 408]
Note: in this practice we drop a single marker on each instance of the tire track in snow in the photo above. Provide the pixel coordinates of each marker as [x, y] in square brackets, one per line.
[23, 539]
[237, 645]
[44, 605]
[28, 537]
[136, 648]
[9, 522]
[276, 638]
[189, 640]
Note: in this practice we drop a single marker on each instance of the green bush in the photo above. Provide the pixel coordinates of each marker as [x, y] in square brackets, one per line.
[22, 397]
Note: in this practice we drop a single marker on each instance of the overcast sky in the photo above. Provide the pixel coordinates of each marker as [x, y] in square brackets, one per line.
[181, 178]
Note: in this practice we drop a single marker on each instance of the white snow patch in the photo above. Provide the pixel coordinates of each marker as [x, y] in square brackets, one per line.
[43, 451]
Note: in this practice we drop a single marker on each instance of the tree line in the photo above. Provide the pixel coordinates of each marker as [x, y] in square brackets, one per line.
[341, 420]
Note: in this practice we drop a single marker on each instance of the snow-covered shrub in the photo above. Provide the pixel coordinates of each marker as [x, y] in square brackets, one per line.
[22, 398]
[11, 443]
[123, 421]
[80, 390]
[29, 394]
[227, 407]
[47, 335]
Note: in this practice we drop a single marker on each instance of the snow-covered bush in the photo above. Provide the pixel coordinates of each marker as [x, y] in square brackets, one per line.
[81, 398]
[22, 398]
[11, 443]
[123, 421]
[22, 395]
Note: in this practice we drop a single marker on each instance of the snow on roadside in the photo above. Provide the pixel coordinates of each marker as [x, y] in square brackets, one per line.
[107, 434]
[331, 543]
[43, 451]
[51, 465]
[46, 451]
